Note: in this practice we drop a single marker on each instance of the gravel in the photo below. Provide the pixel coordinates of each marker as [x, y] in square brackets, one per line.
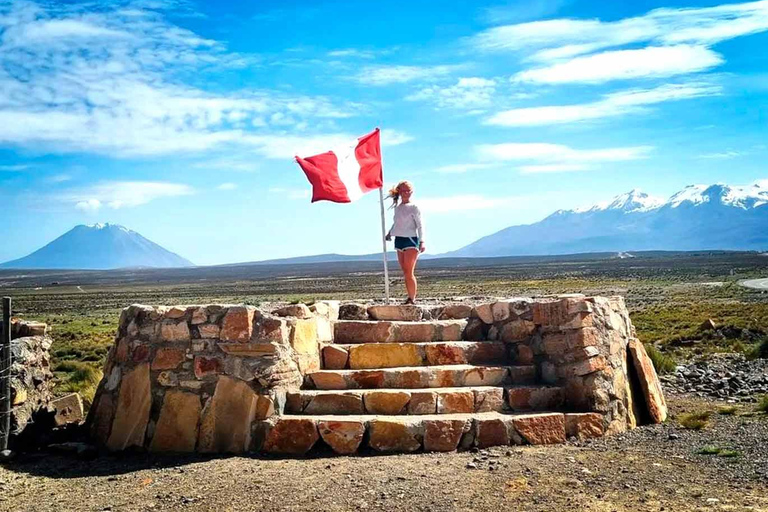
[722, 376]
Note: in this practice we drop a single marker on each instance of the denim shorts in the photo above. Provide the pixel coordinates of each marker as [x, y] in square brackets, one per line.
[403, 243]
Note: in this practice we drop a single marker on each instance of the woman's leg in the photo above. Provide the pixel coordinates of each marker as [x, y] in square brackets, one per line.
[409, 270]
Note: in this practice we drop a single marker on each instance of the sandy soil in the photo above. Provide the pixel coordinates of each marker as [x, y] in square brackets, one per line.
[652, 468]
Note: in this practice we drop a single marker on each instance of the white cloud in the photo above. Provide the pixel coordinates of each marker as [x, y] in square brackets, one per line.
[110, 80]
[240, 164]
[90, 205]
[227, 186]
[616, 104]
[462, 168]
[651, 62]
[462, 203]
[59, 178]
[551, 158]
[564, 38]
[725, 155]
[466, 93]
[14, 168]
[288, 146]
[387, 75]
[352, 52]
[122, 194]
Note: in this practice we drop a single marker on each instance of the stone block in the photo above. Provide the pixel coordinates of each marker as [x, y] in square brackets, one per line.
[175, 312]
[199, 316]
[140, 353]
[405, 313]
[489, 400]
[208, 331]
[328, 380]
[491, 432]
[132, 410]
[645, 373]
[303, 337]
[486, 376]
[423, 402]
[101, 421]
[522, 374]
[335, 357]
[523, 354]
[294, 310]
[546, 428]
[226, 420]
[272, 329]
[415, 332]
[584, 425]
[207, 366]
[579, 338]
[389, 402]
[554, 344]
[324, 329]
[446, 353]
[450, 330]
[455, 312]
[500, 311]
[384, 355]
[248, 349]
[475, 330]
[167, 358]
[265, 407]
[484, 312]
[176, 429]
[517, 330]
[294, 436]
[328, 309]
[455, 402]
[171, 330]
[535, 398]
[237, 325]
[335, 403]
[550, 314]
[443, 435]
[395, 435]
[343, 436]
[581, 368]
[362, 332]
[168, 379]
[69, 409]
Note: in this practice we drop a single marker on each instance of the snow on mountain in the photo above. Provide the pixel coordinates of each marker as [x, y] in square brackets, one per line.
[697, 217]
[99, 246]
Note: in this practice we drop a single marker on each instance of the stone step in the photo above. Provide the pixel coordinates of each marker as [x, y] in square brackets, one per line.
[371, 331]
[393, 355]
[415, 377]
[425, 401]
[435, 432]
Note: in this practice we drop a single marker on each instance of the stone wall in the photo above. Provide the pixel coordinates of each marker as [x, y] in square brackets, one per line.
[189, 378]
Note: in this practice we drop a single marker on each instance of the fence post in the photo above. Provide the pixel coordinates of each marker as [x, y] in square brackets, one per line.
[5, 375]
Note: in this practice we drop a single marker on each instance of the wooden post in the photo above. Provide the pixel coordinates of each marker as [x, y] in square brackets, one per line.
[5, 375]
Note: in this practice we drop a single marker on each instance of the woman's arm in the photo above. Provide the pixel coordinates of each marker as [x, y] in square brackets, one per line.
[419, 228]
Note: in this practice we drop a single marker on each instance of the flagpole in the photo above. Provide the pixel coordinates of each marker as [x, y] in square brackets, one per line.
[384, 243]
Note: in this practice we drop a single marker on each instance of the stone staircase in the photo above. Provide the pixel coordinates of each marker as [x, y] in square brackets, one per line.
[401, 386]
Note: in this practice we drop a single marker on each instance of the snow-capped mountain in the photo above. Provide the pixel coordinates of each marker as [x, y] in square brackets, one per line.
[698, 217]
[100, 246]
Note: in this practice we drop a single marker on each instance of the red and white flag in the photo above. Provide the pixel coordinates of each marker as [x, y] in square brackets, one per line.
[343, 175]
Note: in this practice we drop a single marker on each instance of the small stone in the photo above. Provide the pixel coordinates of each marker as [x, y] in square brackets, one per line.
[294, 310]
[335, 357]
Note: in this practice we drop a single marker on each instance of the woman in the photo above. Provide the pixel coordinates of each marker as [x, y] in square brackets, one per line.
[409, 234]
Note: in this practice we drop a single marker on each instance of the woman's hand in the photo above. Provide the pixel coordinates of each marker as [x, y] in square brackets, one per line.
[388, 238]
[422, 247]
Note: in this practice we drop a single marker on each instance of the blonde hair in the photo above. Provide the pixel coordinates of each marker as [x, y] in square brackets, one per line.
[394, 192]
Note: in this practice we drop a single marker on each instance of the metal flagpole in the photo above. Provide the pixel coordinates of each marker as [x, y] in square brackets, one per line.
[384, 243]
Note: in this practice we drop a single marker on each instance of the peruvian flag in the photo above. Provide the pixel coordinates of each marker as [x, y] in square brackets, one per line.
[344, 174]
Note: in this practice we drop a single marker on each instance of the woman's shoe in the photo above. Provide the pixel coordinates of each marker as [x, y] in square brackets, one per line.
[408, 301]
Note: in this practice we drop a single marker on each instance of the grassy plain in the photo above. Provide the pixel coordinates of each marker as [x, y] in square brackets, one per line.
[669, 295]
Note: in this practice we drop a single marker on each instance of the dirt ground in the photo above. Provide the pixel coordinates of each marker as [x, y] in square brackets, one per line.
[652, 468]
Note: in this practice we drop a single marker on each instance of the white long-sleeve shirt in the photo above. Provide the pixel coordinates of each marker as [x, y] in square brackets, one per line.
[407, 221]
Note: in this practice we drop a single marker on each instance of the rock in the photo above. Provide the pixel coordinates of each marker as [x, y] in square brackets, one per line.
[350, 331]
[328, 380]
[328, 309]
[209, 331]
[335, 403]
[353, 312]
[295, 436]
[535, 398]
[303, 337]
[454, 402]
[395, 435]
[294, 310]
[199, 316]
[389, 402]
[171, 330]
[335, 357]
[455, 312]
[343, 436]
[416, 332]
[500, 311]
[384, 355]
[443, 435]
[237, 325]
[548, 428]
[176, 429]
[643, 369]
[226, 420]
[175, 312]
[206, 366]
[491, 432]
[265, 407]
[423, 402]
[403, 313]
[584, 425]
[475, 330]
[101, 418]
[581, 368]
[517, 330]
[168, 358]
[248, 349]
[708, 325]
[489, 400]
[132, 410]
[484, 312]
[485, 376]
[69, 409]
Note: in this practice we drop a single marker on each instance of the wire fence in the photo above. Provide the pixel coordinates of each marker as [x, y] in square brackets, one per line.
[5, 375]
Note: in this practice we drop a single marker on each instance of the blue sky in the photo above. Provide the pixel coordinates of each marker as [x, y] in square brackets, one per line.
[180, 119]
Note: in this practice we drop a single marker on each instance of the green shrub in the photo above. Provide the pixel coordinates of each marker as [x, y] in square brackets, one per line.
[709, 450]
[80, 378]
[762, 404]
[663, 363]
[731, 454]
[727, 410]
[759, 351]
[694, 420]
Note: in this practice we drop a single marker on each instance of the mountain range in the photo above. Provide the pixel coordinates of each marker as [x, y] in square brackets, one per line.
[99, 247]
[699, 217]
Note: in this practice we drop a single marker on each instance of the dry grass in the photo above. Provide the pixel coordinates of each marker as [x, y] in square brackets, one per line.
[694, 420]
